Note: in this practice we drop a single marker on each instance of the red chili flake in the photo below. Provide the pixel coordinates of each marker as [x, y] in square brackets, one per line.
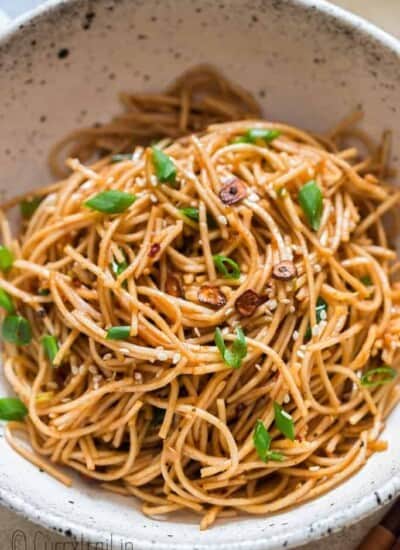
[173, 286]
[284, 271]
[247, 303]
[212, 296]
[154, 250]
[233, 192]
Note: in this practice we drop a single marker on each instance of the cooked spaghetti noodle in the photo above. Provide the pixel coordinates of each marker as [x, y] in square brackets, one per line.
[226, 342]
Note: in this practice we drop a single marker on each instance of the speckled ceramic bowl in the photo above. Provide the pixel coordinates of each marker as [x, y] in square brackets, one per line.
[309, 63]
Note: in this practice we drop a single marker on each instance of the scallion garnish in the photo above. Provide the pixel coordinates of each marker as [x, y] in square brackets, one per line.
[12, 408]
[190, 212]
[321, 308]
[44, 291]
[29, 207]
[163, 166]
[121, 157]
[284, 421]
[6, 258]
[366, 280]
[226, 266]
[16, 330]
[118, 333]
[310, 199]
[378, 376]
[262, 443]
[111, 202]
[261, 134]
[6, 302]
[50, 346]
[232, 357]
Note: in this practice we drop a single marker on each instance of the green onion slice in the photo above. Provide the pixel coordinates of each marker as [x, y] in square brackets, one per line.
[320, 306]
[366, 280]
[29, 207]
[255, 134]
[262, 443]
[118, 333]
[232, 357]
[310, 199]
[378, 376]
[16, 330]
[50, 346]
[190, 212]
[121, 157]
[6, 302]
[226, 266]
[6, 258]
[284, 421]
[12, 408]
[111, 202]
[163, 166]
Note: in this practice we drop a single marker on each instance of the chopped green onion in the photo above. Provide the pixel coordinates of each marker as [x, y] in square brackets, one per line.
[262, 443]
[50, 346]
[190, 212]
[310, 199]
[232, 357]
[6, 302]
[118, 333]
[12, 408]
[29, 207]
[6, 258]
[226, 266]
[284, 421]
[164, 167]
[378, 376]
[17, 330]
[121, 157]
[44, 291]
[254, 134]
[366, 280]
[119, 267]
[320, 306]
[111, 202]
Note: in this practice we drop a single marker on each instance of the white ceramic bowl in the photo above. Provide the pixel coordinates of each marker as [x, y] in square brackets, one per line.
[310, 64]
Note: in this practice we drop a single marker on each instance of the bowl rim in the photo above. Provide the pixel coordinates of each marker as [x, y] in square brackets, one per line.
[330, 524]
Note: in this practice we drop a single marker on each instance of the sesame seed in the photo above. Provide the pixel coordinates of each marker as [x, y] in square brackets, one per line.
[222, 220]
[314, 468]
[272, 304]
[323, 315]
[253, 197]
[300, 354]
[295, 335]
[225, 330]
[153, 198]
[153, 180]
[292, 309]
[284, 301]
[257, 366]
[315, 330]
[138, 376]
[140, 182]
[125, 351]
[197, 332]
[162, 355]
[107, 356]
[110, 180]
[87, 185]
[176, 358]
[74, 370]
[286, 398]
[229, 311]
[317, 268]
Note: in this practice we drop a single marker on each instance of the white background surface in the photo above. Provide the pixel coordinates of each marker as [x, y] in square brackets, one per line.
[386, 14]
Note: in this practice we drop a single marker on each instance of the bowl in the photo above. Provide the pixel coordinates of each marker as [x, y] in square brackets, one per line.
[309, 64]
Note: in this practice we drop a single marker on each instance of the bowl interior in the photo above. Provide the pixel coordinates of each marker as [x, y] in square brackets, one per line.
[64, 69]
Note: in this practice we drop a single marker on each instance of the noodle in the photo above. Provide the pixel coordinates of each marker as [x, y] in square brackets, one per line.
[158, 410]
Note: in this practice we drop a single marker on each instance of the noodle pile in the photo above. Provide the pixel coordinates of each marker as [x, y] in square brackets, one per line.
[162, 414]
